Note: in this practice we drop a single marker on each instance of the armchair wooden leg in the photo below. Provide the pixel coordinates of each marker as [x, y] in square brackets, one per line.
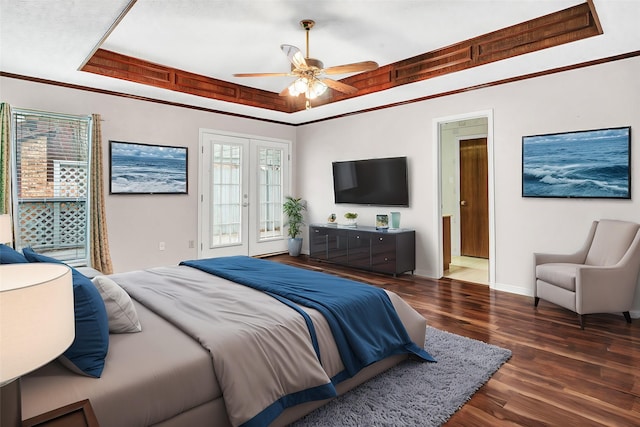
[627, 316]
[536, 301]
[581, 320]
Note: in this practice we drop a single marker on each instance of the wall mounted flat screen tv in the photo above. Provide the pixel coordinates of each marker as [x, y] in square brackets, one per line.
[147, 169]
[579, 164]
[380, 182]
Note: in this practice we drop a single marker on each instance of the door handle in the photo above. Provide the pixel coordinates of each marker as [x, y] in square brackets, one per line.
[463, 203]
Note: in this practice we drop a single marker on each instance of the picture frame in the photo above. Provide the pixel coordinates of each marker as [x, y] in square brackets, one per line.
[382, 221]
[578, 164]
[138, 168]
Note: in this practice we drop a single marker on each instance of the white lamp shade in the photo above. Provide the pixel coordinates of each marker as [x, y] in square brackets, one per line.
[36, 316]
[5, 229]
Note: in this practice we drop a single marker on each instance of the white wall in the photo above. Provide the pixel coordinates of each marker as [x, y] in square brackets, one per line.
[588, 98]
[138, 223]
[601, 96]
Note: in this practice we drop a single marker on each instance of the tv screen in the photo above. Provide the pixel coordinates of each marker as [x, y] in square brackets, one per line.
[381, 182]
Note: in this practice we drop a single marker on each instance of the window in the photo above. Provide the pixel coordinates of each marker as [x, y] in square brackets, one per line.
[51, 184]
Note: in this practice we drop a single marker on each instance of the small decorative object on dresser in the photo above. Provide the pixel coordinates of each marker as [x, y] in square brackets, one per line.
[382, 222]
[331, 219]
[395, 220]
[351, 218]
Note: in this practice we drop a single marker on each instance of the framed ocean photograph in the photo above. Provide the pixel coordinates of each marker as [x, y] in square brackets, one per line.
[580, 164]
[147, 169]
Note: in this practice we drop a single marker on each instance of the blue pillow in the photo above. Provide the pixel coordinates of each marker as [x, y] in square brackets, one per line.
[89, 348]
[8, 255]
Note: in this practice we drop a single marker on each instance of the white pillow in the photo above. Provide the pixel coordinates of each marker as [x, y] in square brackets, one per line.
[121, 313]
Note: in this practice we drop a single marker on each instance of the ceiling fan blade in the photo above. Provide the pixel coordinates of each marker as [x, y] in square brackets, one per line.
[261, 74]
[340, 87]
[295, 56]
[356, 67]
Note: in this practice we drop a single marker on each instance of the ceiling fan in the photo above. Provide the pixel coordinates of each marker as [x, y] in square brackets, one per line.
[310, 72]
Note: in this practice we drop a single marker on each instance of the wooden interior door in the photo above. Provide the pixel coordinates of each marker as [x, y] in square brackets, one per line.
[474, 198]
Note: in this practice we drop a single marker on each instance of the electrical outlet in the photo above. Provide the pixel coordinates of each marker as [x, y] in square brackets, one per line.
[161, 246]
[191, 244]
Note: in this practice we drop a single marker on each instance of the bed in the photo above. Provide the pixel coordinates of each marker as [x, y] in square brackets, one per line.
[219, 352]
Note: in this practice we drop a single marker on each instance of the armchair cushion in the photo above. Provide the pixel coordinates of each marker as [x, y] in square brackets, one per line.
[560, 274]
[610, 242]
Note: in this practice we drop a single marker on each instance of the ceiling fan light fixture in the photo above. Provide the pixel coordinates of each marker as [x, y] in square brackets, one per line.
[298, 86]
[316, 88]
[301, 85]
[311, 87]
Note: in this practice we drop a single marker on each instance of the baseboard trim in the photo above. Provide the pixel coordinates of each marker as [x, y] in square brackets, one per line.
[518, 290]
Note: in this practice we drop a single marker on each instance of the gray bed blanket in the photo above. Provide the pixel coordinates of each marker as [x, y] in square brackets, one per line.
[261, 349]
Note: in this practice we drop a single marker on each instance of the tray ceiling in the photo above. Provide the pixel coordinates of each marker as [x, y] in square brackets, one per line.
[215, 39]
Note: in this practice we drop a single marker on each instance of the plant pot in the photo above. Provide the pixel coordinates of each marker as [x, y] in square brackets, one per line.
[295, 246]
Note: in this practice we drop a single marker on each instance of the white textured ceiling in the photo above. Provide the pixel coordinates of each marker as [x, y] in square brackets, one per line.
[216, 38]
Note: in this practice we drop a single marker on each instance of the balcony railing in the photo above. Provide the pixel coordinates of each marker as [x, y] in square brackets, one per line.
[54, 227]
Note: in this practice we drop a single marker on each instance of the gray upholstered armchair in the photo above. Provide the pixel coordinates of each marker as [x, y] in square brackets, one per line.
[600, 278]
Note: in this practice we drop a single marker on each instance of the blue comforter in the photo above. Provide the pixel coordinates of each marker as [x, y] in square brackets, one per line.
[362, 318]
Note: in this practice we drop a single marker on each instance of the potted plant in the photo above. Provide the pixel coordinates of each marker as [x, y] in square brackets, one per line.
[293, 208]
[351, 218]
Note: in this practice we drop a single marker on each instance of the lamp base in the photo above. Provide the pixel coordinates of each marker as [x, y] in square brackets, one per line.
[11, 404]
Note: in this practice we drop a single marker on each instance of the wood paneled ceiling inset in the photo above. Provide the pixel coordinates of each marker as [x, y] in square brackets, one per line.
[136, 70]
[565, 26]
[431, 63]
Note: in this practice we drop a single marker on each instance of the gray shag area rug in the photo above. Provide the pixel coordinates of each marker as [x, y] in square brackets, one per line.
[417, 393]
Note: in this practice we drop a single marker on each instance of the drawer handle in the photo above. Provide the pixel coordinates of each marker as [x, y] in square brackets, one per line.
[381, 239]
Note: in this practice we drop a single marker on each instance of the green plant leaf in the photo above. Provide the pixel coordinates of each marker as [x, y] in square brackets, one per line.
[293, 208]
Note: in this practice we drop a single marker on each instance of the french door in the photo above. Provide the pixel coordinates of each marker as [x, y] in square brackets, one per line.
[243, 182]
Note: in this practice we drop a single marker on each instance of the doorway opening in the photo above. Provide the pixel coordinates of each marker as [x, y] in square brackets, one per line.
[465, 188]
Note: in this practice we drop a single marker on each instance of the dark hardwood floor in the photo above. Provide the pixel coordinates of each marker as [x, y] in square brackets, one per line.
[559, 375]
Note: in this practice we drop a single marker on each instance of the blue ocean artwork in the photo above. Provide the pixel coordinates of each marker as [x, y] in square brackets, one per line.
[577, 164]
[141, 168]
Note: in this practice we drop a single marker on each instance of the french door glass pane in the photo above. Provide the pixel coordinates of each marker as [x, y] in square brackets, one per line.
[226, 195]
[270, 187]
